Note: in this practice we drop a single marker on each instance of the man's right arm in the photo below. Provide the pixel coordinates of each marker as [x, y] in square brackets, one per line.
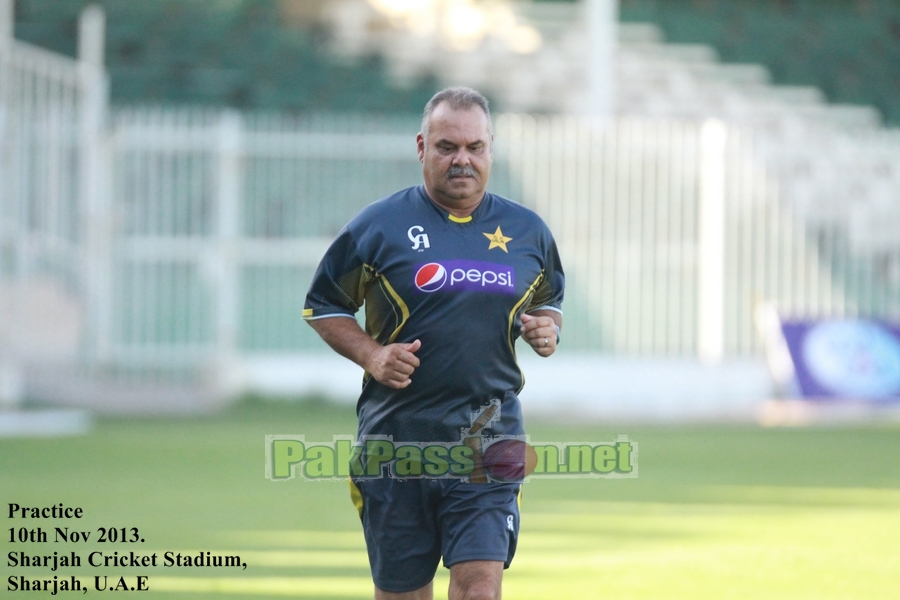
[390, 365]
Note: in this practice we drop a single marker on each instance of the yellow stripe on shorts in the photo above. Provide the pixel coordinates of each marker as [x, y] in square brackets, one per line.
[356, 497]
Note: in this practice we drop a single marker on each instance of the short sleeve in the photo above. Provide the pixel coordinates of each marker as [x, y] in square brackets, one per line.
[550, 291]
[339, 284]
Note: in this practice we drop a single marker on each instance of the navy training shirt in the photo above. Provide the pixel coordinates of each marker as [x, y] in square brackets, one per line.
[459, 286]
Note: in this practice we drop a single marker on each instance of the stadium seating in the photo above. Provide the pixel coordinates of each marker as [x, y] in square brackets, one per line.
[248, 53]
[847, 48]
[242, 54]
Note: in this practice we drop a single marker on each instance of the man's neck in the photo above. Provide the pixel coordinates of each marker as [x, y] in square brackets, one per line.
[460, 212]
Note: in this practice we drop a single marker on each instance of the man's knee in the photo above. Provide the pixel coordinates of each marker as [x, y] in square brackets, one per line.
[476, 580]
[480, 591]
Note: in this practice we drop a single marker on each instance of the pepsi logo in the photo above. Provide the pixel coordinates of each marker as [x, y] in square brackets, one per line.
[465, 276]
[431, 277]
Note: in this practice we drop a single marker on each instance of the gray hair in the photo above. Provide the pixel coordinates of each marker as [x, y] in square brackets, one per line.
[459, 98]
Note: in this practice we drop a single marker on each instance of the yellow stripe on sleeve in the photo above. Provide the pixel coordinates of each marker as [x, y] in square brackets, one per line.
[404, 309]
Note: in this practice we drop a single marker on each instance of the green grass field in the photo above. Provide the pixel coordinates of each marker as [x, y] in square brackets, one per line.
[717, 511]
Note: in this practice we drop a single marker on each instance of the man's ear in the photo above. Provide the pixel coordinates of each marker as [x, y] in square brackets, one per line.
[420, 145]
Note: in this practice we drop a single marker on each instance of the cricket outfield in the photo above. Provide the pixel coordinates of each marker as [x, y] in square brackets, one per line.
[727, 511]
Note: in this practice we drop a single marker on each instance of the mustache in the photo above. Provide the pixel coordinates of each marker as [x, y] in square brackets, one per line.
[456, 171]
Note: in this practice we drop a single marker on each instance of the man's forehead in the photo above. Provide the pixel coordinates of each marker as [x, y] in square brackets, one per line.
[447, 122]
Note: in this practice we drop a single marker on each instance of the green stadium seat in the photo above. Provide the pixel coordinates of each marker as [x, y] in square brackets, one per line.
[233, 52]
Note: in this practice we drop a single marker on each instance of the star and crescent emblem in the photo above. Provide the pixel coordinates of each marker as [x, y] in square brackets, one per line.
[498, 240]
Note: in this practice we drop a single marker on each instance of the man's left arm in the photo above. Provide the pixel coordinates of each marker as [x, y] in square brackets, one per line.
[539, 329]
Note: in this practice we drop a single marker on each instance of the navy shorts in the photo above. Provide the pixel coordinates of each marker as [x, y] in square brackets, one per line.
[410, 524]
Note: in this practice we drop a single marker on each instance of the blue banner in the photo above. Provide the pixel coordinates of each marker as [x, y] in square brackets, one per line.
[856, 359]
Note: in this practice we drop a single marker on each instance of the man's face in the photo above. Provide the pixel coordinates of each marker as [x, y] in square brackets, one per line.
[456, 157]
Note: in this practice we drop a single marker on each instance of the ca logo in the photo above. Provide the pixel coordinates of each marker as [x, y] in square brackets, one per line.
[509, 523]
[418, 238]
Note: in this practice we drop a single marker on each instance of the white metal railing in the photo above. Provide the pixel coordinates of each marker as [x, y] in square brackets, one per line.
[39, 109]
[39, 215]
[52, 125]
[671, 232]
[223, 218]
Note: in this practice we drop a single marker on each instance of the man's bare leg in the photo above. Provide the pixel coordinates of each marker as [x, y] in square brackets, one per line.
[425, 592]
[476, 580]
